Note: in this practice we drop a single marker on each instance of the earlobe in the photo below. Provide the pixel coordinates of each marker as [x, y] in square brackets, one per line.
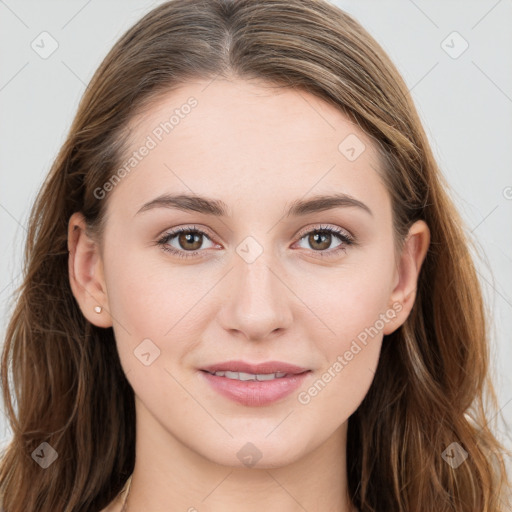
[413, 255]
[85, 268]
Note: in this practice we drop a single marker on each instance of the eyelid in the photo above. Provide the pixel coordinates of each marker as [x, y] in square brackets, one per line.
[326, 227]
[299, 235]
[187, 227]
[347, 239]
[174, 232]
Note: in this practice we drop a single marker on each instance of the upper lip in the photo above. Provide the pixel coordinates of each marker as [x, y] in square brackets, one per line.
[265, 367]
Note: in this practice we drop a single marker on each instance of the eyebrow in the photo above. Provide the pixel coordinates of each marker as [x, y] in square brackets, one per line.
[218, 208]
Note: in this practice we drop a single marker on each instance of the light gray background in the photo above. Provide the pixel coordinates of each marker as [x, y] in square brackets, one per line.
[465, 104]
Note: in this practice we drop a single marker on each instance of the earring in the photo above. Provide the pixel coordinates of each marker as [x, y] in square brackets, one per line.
[97, 309]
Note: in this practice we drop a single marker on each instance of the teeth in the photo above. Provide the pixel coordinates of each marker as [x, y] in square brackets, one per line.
[250, 376]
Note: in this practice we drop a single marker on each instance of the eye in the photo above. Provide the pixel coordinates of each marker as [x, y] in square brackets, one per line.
[320, 239]
[188, 240]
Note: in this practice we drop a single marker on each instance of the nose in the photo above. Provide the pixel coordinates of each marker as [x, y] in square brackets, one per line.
[258, 304]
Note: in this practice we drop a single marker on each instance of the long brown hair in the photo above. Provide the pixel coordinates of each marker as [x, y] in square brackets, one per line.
[432, 386]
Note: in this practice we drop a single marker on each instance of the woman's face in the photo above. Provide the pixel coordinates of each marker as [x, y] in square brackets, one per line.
[255, 279]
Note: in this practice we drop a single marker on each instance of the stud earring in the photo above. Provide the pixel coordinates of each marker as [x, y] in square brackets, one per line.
[97, 309]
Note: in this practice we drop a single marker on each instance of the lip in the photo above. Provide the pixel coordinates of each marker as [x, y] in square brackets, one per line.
[255, 393]
[265, 367]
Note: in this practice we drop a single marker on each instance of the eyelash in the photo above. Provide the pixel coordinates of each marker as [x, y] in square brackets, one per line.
[346, 239]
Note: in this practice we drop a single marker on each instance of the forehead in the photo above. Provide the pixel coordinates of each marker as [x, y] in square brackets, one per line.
[220, 136]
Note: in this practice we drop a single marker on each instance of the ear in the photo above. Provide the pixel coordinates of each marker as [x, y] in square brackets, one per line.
[86, 273]
[407, 272]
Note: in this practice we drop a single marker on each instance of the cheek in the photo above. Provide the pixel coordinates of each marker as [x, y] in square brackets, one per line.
[350, 355]
[351, 314]
[150, 298]
[339, 388]
[348, 303]
[145, 293]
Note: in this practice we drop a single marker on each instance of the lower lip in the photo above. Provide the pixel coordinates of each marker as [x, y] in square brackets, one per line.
[255, 393]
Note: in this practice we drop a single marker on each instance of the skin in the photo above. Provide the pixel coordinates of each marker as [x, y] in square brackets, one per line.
[257, 149]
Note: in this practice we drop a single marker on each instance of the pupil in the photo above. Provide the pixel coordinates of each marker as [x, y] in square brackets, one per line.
[190, 238]
[324, 242]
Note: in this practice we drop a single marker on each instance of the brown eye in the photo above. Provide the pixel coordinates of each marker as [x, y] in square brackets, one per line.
[191, 240]
[320, 240]
[185, 242]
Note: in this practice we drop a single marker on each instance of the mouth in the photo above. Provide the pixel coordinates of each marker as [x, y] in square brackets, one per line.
[279, 368]
[254, 384]
[260, 377]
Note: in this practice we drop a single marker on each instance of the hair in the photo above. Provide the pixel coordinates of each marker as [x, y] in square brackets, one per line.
[432, 385]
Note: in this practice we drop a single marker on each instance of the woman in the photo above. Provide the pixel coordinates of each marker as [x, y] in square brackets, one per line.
[246, 286]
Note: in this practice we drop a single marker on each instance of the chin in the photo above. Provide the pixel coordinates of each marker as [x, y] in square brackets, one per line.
[257, 452]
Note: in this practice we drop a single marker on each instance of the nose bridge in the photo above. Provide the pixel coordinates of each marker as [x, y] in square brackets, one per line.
[258, 301]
